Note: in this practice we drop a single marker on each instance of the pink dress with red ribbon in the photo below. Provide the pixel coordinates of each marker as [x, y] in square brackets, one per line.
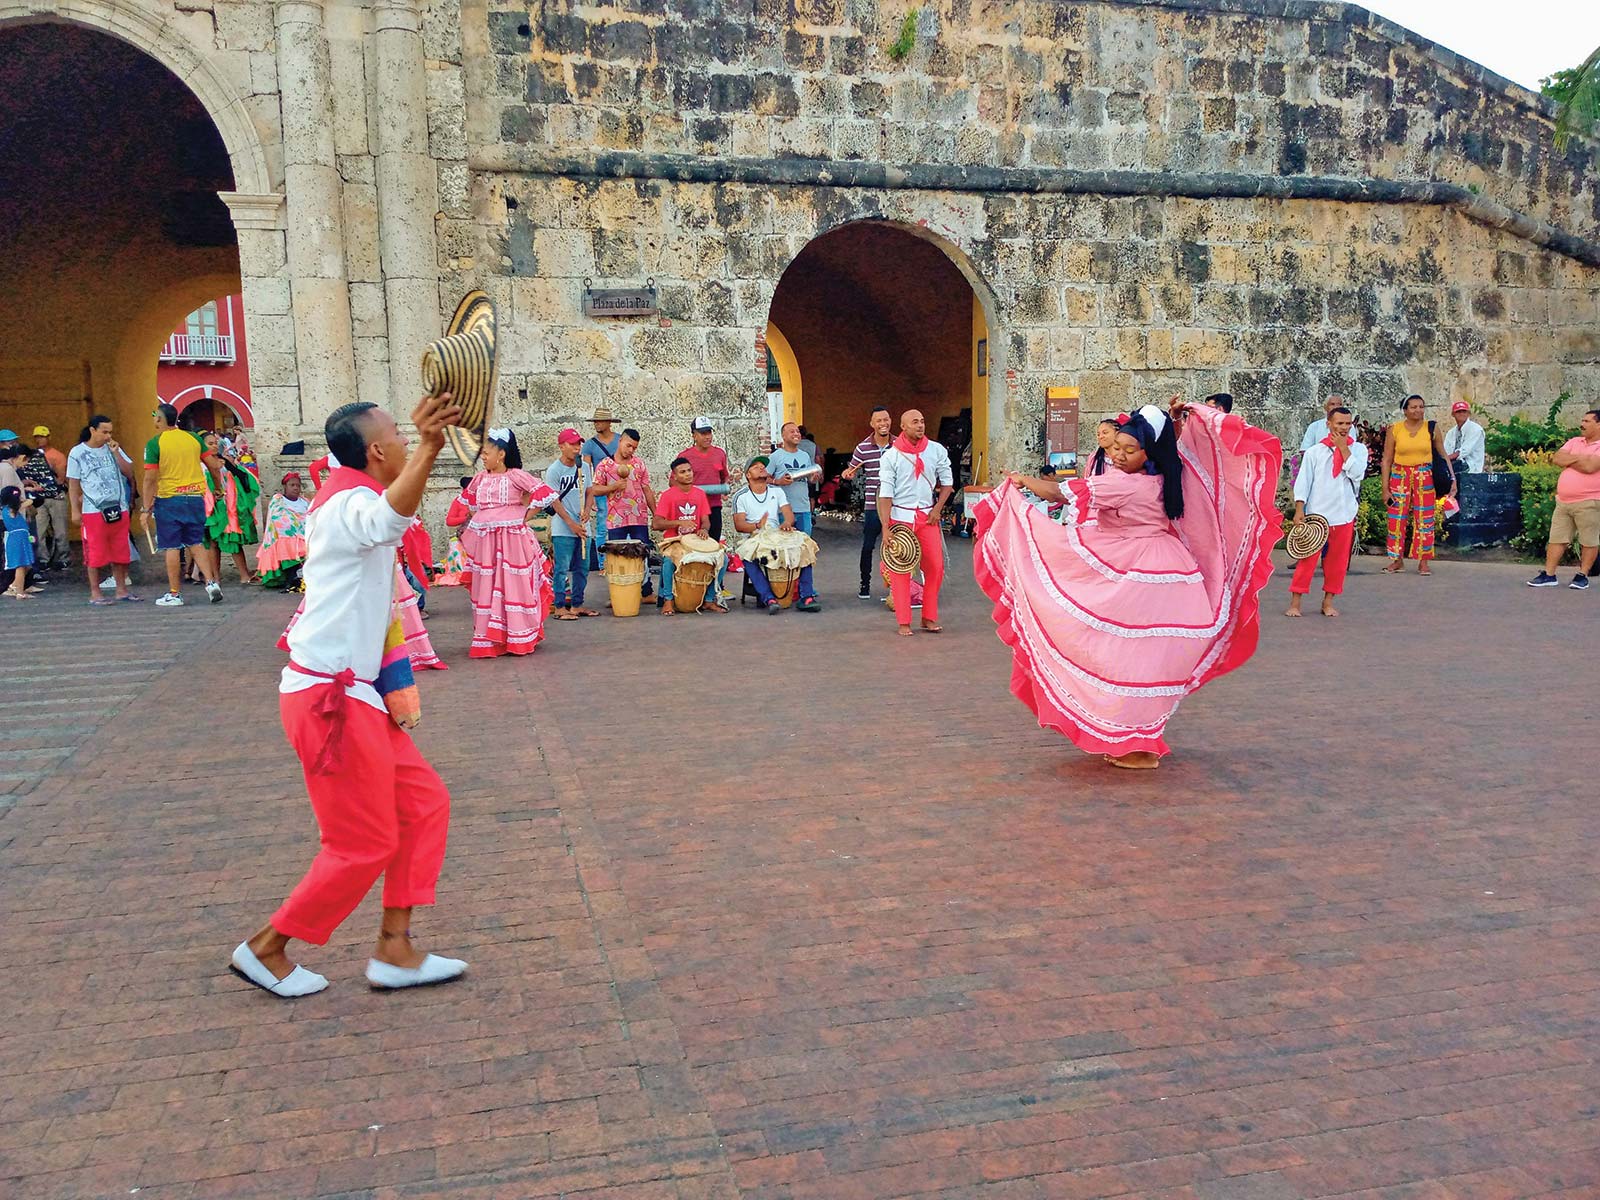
[1115, 613]
[508, 576]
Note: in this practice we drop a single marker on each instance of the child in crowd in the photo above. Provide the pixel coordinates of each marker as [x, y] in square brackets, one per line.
[19, 542]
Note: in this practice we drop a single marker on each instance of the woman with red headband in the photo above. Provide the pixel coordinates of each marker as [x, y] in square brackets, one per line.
[1146, 588]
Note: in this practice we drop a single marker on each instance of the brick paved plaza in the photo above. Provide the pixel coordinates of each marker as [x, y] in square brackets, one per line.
[858, 931]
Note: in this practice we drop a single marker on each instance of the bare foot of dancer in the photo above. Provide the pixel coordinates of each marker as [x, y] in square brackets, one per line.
[932, 627]
[1328, 610]
[904, 631]
[1294, 606]
[1136, 760]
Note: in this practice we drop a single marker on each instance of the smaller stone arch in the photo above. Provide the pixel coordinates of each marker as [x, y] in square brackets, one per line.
[214, 391]
[147, 32]
[986, 382]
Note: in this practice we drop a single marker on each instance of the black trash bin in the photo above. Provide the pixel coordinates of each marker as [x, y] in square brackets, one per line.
[1491, 509]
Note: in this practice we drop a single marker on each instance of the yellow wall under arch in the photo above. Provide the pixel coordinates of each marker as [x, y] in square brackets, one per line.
[788, 373]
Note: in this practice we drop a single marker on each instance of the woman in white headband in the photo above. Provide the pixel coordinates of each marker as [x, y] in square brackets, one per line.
[1147, 586]
[507, 573]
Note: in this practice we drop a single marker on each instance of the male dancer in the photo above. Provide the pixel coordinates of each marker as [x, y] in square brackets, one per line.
[381, 808]
[914, 484]
[1328, 485]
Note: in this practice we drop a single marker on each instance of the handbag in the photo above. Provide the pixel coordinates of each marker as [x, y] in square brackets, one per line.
[1442, 467]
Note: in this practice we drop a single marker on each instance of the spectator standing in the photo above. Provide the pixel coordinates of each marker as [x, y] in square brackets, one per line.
[45, 476]
[596, 450]
[1464, 441]
[1105, 435]
[12, 455]
[1577, 514]
[1318, 429]
[787, 461]
[710, 465]
[174, 493]
[96, 469]
[14, 508]
[1409, 448]
[865, 460]
[809, 445]
[624, 481]
[572, 480]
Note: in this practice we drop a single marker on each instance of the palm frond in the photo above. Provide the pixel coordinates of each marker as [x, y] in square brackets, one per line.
[1582, 102]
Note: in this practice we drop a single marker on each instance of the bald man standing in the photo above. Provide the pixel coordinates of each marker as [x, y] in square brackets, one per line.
[914, 484]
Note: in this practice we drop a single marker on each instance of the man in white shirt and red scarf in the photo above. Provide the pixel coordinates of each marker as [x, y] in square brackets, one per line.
[1328, 485]
[914, 484]
[381, 808]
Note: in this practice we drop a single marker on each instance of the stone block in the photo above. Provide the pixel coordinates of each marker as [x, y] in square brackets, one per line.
[666, 349]
[447, 113]
[564, 253]
[578, 349]
[243, 24]
[1202, 348]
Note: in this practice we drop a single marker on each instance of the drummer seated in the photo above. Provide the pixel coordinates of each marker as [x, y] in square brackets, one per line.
[766, 507]
[683, 509]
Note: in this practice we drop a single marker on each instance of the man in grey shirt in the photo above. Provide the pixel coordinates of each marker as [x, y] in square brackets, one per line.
[96, 469]
[786, 461]
[572, 479]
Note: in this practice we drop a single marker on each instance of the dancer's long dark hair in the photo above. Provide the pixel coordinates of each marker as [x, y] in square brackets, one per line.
[513, 455]
[1162, 454]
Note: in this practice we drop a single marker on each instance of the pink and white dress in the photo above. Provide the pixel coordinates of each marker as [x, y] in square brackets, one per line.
[508, 576]
[1113, 612]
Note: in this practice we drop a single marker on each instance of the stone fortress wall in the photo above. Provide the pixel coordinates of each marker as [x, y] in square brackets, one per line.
[1277, 197]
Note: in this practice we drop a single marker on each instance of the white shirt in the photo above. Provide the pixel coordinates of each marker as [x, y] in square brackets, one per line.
[349, 577]
[769, 504]
[1332, 498]
[908, 494]
[1315, 432]
[1467, 439]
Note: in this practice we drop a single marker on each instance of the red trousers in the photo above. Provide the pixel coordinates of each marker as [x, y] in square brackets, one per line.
[1335, 561]
[382, 811]
[932, 541]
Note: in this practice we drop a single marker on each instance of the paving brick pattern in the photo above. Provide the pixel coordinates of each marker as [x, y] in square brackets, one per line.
[789, 908]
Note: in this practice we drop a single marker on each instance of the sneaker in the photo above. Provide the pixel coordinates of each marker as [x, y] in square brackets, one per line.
[774, 607]
[214, 592]
[865, 593]
[1580, 581]
[1543, 579]
[108, 585]
[170, 600]
[809, 604]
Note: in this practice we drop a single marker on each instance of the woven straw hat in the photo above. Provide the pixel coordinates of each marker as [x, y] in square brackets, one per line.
[1307, 539]
[902, 552]
[462, 363]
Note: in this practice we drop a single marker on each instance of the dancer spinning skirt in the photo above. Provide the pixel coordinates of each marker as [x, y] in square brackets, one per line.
[283, 540]
[1147, 585]
[509, 578]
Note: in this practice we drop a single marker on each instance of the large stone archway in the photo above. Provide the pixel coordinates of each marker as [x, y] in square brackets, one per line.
[130, 220]
[156, 37]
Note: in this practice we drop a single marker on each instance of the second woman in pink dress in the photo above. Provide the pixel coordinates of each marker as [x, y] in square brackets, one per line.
[508, 576]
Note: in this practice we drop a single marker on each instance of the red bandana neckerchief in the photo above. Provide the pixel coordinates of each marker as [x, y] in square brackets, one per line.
[906, 446]
[343, 479]
[1340, 453]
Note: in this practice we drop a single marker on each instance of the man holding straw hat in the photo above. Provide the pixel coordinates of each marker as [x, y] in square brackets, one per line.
[381, 808]
[1328, 485]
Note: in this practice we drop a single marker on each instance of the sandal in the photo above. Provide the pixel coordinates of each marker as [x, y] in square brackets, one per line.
[1395, 566]
[565, 616]
[98, 602]
[587, 612]
[130, 598]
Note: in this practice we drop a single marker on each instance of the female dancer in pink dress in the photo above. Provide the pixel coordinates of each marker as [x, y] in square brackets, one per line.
[1146, 588]
[509, 577]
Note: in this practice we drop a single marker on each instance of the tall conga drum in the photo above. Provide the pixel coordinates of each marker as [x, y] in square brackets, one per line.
[626, 565]
[695, 561]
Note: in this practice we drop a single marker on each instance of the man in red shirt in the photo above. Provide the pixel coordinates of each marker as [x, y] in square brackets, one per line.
[710, 465]
[682, 509]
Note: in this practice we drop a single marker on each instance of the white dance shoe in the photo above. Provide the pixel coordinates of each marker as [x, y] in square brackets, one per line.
[298, 982]
[433, 969]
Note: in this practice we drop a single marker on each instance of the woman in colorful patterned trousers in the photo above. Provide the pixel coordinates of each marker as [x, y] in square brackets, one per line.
[1409, 448]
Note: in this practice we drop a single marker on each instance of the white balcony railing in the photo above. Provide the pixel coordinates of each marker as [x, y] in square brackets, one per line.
[198, 347]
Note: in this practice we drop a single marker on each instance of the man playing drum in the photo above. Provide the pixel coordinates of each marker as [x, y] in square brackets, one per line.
[682, 510]
[758, 513]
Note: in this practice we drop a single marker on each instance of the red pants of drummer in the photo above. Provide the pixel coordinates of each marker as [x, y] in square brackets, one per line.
[382, 811]
[932, 541]
[1335, 561]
